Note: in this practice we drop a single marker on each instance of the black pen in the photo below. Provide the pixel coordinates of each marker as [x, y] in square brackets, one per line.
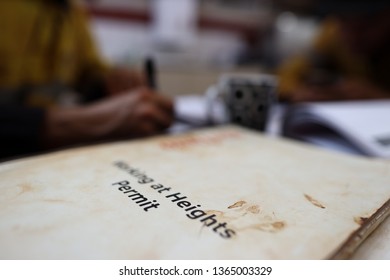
[150, 73]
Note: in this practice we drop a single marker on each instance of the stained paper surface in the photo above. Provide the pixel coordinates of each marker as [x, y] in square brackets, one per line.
[224, 193]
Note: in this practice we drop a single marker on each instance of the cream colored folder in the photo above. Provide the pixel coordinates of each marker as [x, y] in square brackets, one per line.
[222, 193]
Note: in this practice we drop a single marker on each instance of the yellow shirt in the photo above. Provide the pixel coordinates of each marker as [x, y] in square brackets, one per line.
[329, 46]
[42, 43]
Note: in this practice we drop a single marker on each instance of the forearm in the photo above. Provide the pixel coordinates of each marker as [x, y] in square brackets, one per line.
[79, 125]
[132, 114]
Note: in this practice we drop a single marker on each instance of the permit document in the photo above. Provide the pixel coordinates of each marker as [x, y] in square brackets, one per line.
[218, 193]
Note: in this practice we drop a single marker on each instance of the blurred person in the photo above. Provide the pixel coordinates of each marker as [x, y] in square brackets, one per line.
[47, 62]
[349, 58]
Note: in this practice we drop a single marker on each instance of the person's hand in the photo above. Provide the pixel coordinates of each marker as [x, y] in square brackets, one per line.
[119, 80]
[133, 114]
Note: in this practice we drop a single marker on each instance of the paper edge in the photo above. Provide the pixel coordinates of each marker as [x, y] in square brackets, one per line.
[357, 238]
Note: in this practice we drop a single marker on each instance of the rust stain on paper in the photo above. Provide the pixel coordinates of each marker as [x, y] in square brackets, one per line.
[315, 202]
[237, 204]
[255, 209]
[269, 227]
[24, 188]
[190, 140]
[215, 212]
[360, 220]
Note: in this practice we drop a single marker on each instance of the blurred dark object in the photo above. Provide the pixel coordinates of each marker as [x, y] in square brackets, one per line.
[350, 7]
[325, 7]
[19, 130]
[349, 58]
[300, 7]
[63, 3]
